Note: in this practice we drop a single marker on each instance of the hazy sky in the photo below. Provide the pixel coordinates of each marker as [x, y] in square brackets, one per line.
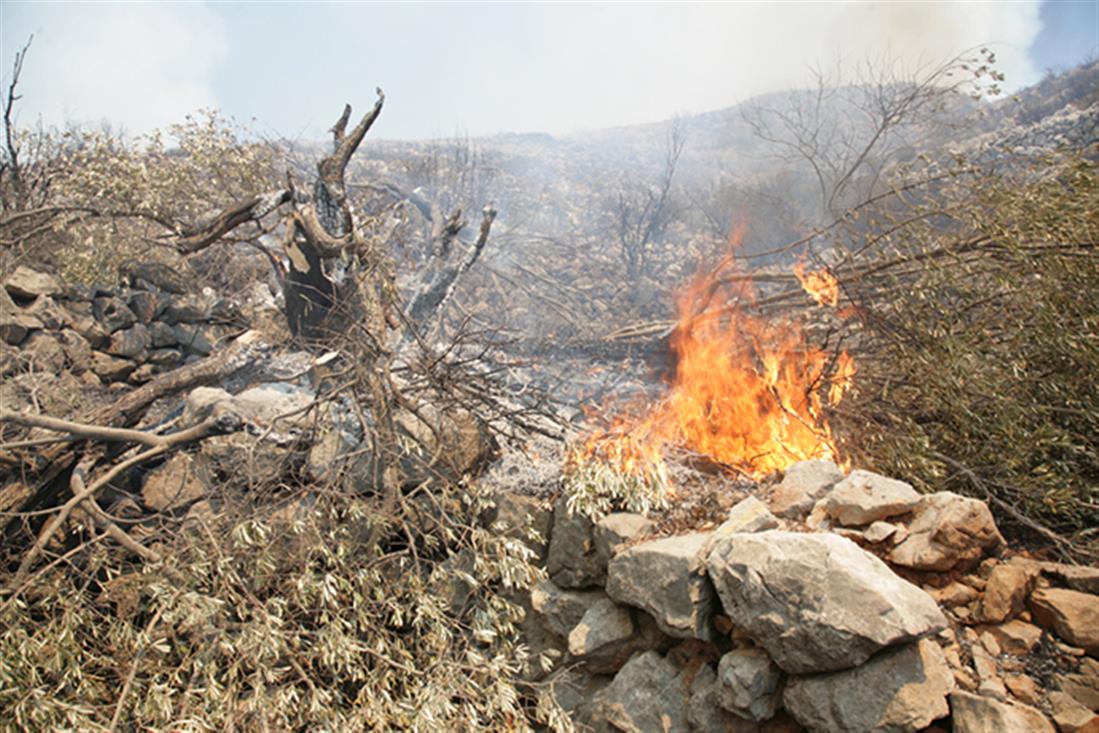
[480, 68]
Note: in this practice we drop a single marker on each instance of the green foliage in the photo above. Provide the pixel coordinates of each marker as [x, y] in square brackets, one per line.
[977, 344]
[287, 622]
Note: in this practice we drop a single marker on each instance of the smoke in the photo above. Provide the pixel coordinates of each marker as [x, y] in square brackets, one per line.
[138, 66]
[481, 68]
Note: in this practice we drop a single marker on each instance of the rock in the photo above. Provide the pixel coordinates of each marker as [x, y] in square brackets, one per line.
[270, 445]
[817, 602]
[162, 335]
[948, 531]
[43, 352]
[988, 676]
[152, 276]
[976, 714]
[194, 339]
[77, 349]
[899, 690]
[1023, 688]
[27, 284]
[1077, 577]
[524, 518]
[865, 497]
[615, 530]
[144, 305]
[169, 358]
[648, 695]
[574, 691]
[91, 331]
[108, 368]
[602, 638]
[879, 532]
[749, 684]
[802, 485]
[1015, 637]
[1073, 615]
[954, 594]
[1083, 684]
[130, 343]
[574, 559]
[1005, 593]
[52, 316]
[667, 578]
[112, 314]
[747, 515]
[703, 712]
[186, 309]
[561, 610]
[15, 324]
[1070, 716]
[175, 483]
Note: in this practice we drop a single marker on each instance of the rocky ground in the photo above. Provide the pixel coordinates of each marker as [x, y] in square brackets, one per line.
[829, 602]
[824, 602]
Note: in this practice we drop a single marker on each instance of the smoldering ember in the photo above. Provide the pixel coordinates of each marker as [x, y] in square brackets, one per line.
[776, 418]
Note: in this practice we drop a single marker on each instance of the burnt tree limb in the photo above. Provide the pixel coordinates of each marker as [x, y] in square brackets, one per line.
[250, 209]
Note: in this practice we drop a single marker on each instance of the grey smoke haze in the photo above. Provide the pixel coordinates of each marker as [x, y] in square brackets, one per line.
[475, 68]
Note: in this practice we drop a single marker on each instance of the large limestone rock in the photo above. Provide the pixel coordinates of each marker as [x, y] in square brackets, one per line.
[648, 695]
[865, 497]
[1083, 684]
[1073, 615]
[580, 549]
[28, 284]
[1005, 593]
[749, 684]
[898, 691]
[949, 531]
[817, 602]
[561, 610]
[976, 714]
[607, 636]
[667, 578]
[704, 713]
[802, 485]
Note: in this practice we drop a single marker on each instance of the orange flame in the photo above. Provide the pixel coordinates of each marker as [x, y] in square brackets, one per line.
[821, 285]
[746, 392]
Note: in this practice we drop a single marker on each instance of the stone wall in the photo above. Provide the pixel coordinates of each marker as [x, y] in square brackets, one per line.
[104, 335]
[839, 604]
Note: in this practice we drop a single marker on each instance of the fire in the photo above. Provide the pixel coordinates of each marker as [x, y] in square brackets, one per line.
[748, 393]
[821, 285]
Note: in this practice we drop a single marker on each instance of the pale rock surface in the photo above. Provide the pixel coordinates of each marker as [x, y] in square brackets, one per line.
[648, 695]
[1015, 637]
[1082, 684]
[1005, 593]
[817, 602]
[27, 283]
[948, 531]
[802, 485]
[604, 625]
[560, 609]
[704, 713]
[580, 549]
[898, 691]
[667, 578]
[1070, 716]
[749, 684]
[977, 714]
[1074, 616]
[864, 497]
[953, 594]
[879, 531]
[747, 515]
